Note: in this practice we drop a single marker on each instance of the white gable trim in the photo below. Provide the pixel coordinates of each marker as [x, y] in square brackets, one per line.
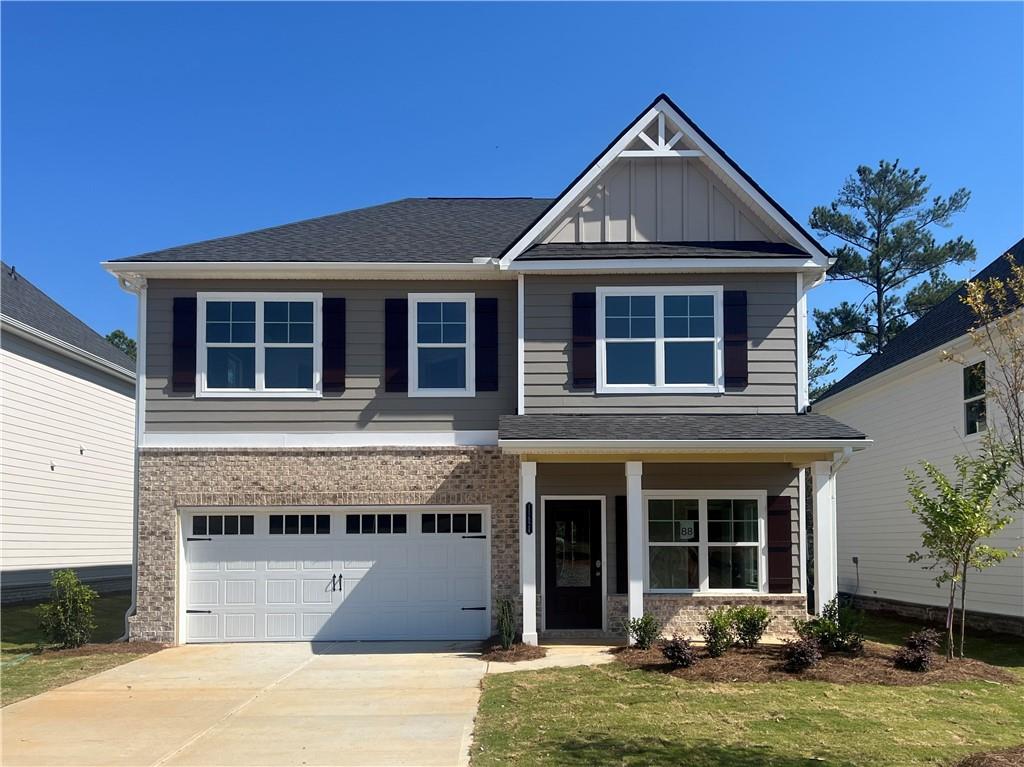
[662, 107]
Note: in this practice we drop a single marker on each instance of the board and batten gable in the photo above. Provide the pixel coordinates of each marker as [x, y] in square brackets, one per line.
[771, 346]
[364, 405]
[913, 413]
[67, 466]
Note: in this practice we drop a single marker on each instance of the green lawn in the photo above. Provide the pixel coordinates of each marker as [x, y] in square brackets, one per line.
[614, 715]
[25, 671]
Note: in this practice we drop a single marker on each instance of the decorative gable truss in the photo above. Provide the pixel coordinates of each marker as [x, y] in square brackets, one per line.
[664, 180]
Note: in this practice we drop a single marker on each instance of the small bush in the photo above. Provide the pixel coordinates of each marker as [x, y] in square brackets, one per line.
[67, 619]
[643, 631]
[917, 653]
[750, 623]
[679, 652]
[837, 629]
[800, 655]
[506, 623]
[717, 630]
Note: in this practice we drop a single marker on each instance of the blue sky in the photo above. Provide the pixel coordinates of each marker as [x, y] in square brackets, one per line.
[132, 127]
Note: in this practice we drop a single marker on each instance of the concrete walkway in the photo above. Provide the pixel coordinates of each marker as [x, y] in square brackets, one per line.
[258, 705]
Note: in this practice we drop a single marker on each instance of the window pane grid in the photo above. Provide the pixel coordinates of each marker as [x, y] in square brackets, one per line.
[440, 333]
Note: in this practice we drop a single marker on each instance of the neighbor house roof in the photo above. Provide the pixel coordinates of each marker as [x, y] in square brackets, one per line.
[24, 303]
[948, 321]
[567, 251]
[782, 427]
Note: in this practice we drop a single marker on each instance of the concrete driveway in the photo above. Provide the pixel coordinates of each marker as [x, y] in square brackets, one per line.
[388, 703]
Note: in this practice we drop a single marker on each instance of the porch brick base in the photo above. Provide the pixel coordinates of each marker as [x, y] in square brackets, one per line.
[682, 614]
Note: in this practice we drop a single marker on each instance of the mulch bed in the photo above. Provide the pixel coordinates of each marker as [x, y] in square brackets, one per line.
[104, 648]
[493, 651]
[764, 664]
[1011, 757]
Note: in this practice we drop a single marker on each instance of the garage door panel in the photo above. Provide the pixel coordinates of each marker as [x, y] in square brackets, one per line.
[433, 588]
[433, 556]
[313, 624]
[282, 564]
[282, 592]
[281, 626]
[202, 628]
[204, 593]
[237, 592]
[240, 565]
[239, 626]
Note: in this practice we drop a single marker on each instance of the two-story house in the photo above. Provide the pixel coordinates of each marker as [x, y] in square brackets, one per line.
[377, 424]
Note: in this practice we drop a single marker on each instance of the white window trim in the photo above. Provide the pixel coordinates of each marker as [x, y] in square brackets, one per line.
[702, 497]
[259, 391]
[659, 387]
[469, 299]
[965, 401]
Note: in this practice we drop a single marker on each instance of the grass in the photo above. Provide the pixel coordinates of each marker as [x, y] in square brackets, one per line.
[26, 670]
[613, 715]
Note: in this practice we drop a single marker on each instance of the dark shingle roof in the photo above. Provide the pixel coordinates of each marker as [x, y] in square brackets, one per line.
[946, 322]
[418, 231]
[598, 250]
[782, 426]
[22, 301]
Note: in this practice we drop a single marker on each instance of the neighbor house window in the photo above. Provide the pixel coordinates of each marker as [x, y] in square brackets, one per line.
[264, 344]
[706, 541]
[974, 398]
[659, 339]
[441, 329]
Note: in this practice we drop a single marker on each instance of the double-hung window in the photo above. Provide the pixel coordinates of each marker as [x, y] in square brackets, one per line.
[441, 333]
[974, 399]
[259, 344]
[709, 541]
[664, 339]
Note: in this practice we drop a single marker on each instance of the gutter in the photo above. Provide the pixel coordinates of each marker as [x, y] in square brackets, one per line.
[595, 446]
[53, 343]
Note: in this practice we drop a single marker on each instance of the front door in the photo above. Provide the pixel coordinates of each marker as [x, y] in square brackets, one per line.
[572, 556]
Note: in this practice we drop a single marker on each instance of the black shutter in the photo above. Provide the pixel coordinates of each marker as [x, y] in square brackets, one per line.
[780, 544]
[584, 341]
[621, 550]
[183, 345]
[486, 344]
[735, 325]
[334, 344]
[396, 344]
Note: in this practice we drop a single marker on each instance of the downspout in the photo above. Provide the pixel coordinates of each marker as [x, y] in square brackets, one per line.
[138, 288]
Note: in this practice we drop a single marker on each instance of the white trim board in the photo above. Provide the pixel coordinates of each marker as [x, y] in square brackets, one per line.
[319, 439]
[598, 446]
[280, 270]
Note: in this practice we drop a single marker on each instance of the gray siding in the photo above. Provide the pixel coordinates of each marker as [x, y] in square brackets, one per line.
[364, 405]
[771, 307]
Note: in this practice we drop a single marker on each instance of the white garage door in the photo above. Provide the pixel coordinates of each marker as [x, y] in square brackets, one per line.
[336, 575]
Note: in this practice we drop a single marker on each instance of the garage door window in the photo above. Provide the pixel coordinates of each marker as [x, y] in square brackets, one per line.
[452, 523]
[375, 524]
[222, 524]
[300, 524]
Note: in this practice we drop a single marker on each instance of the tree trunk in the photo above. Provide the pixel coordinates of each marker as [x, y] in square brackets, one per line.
[880, 315]
[963, 605]
[950, 610]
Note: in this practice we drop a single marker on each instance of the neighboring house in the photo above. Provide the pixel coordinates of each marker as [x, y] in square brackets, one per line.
[67, 469]
[377, 424]
[918, 406]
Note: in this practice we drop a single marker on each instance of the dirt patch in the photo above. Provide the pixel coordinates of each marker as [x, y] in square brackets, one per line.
[105, 648]
[1011, 757]
[492, 651]
[764, 664]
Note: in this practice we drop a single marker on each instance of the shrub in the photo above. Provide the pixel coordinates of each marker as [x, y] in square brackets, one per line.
[717, 630]
[750, 623]
[800, 654]
[917, 653]
[679, 652]
[837, 629]
[67, 619]
[643, 631]
[506, 623]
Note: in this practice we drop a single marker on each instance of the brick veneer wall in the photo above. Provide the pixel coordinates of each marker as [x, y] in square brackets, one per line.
[171, 480]
[681, 614]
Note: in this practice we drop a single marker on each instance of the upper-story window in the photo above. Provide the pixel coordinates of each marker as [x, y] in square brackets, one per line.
[659, 340]
[441, 331]
[260, 344]
[974, 399]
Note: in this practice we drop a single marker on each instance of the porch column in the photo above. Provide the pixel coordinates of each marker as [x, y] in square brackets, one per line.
[635, 537]
[826, 565]
[528, 548]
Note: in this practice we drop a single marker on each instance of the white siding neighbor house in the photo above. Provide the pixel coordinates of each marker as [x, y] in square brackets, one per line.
[67, 467]
[918, 406]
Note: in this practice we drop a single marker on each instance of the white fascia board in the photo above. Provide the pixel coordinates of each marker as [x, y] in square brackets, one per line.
[265, 270]
[53, 343]
[597, 446]
[180, 440]
[655, 265]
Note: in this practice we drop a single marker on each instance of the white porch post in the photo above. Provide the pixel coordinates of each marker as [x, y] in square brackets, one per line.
[635, 537]
[826, 565]
[528, 548]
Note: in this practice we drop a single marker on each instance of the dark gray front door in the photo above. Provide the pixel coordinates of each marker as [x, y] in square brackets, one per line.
[572, 557]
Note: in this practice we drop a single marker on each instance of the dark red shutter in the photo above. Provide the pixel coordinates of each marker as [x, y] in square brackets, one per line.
[584, 341]
[621, 550]
[780, 544]
[735, 326]
[486, 344]
[396, 344]
[334, 344]
[183, 345]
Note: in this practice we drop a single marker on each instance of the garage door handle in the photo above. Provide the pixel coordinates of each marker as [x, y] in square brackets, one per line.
[199, 612]
[474, 536]
[474, 608]
[199, 539]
